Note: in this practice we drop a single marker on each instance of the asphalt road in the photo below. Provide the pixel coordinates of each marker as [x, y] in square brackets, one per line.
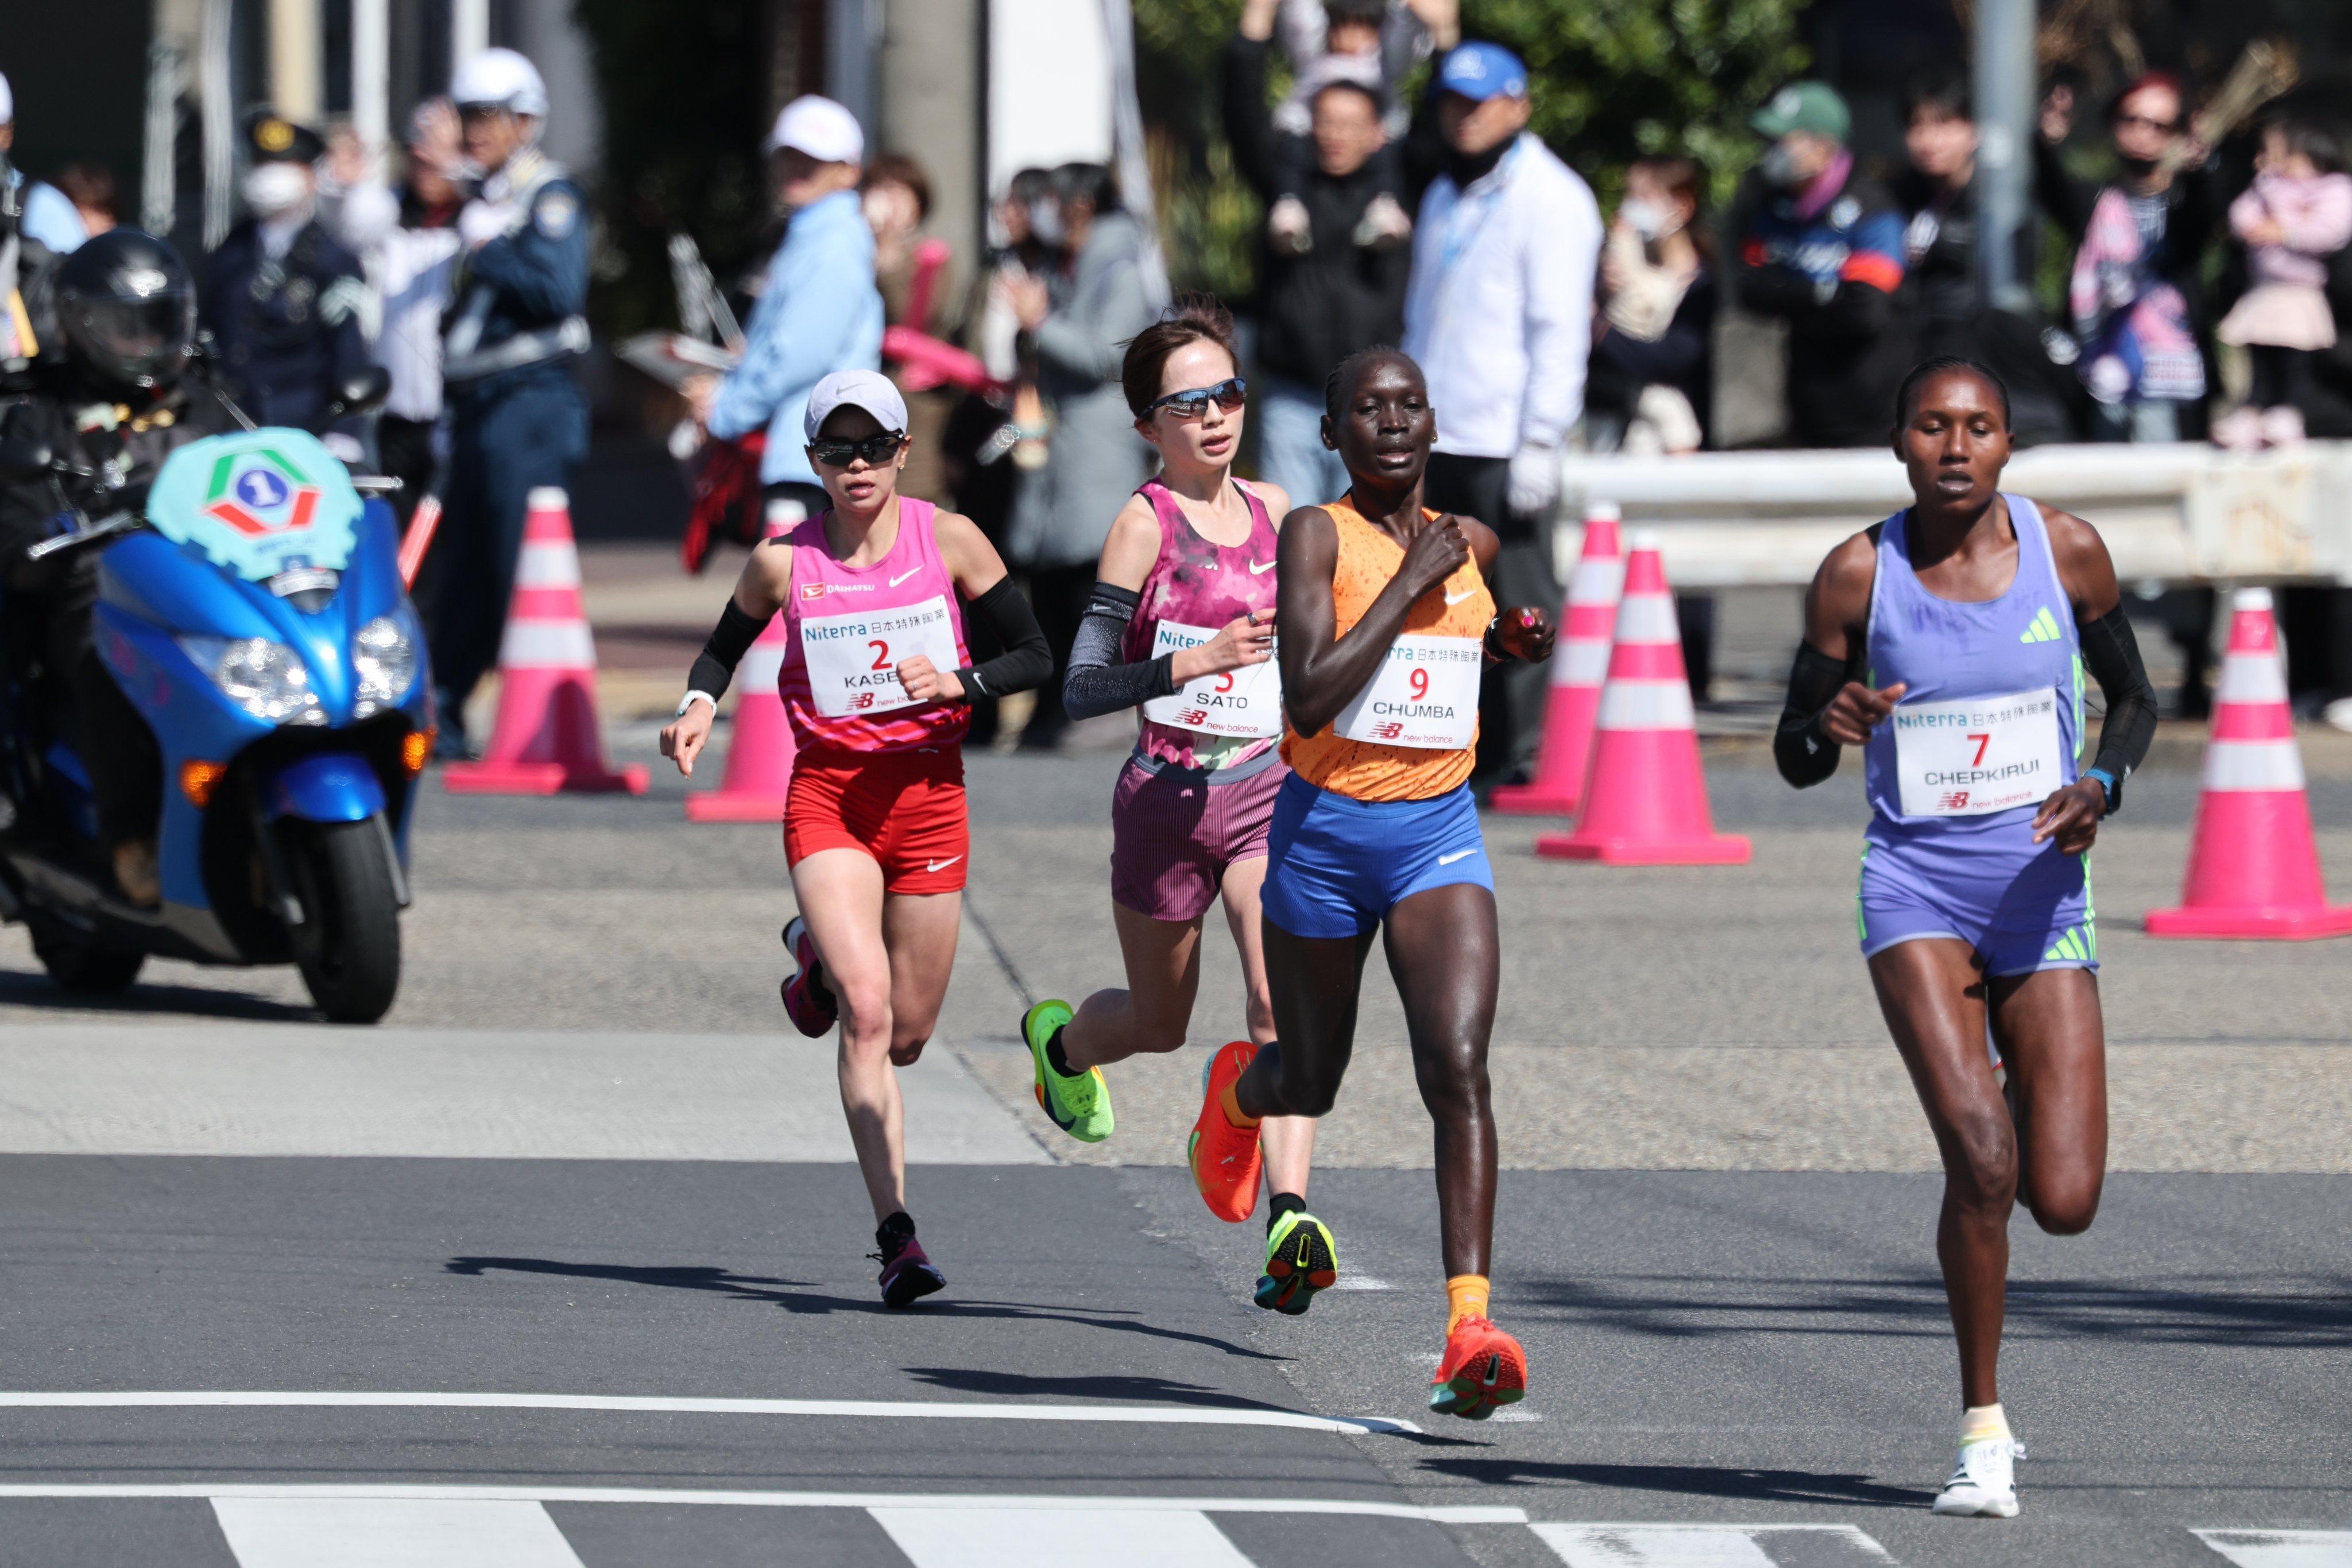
[586, 1211]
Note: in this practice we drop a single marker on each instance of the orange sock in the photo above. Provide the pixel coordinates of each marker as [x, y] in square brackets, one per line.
[1466, 1297]
[1233, 1108]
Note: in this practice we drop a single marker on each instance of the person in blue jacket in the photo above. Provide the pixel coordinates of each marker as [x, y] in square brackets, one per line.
[517, 419]
[820, 310]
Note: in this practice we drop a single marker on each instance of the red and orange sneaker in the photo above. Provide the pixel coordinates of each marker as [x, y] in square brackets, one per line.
[1223, 1157]
[1483, 1369]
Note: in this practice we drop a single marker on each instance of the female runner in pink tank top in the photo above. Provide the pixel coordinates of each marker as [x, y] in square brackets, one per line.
[1182, 626]
[876, 683]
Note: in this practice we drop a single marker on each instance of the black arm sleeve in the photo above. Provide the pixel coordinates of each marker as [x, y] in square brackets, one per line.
[1804, 754]
[1026, 661]
[714, 665]
[1096, 684]
[2111, 653]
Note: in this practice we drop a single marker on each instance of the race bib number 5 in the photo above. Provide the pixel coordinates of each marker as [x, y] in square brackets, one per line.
[1426, 694]
[1982, 754]
[1247, 702]
[853, 660]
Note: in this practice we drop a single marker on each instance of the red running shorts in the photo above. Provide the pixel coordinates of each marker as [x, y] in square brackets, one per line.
[904, 809]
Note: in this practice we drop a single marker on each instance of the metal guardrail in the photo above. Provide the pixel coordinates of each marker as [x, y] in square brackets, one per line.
[2177, 513]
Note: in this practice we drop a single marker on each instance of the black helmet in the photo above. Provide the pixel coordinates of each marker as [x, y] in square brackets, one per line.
[127, 309]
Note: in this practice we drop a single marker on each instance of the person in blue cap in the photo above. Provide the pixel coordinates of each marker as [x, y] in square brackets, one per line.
[1499, 316]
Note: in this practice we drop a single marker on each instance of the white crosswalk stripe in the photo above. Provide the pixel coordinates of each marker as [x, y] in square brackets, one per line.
[1712, 1545]
[390, 1532]
[2282, 1548]
[1020, 1538]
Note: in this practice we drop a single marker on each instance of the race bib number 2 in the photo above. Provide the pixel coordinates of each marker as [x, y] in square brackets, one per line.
[1247, 702]
[1978, 756]
[1424, 695]
[853, 660]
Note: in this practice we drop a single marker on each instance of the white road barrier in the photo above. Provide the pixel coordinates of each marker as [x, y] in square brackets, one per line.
[2177, 513]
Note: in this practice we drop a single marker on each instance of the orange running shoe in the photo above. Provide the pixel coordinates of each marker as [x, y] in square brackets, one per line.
[1483, 1369]
[1223, 1157]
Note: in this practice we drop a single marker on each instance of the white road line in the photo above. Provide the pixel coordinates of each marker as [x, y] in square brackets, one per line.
[1710, 1545]
[920, 1409]
[1019, 1538]
[956, 1501]
[390, 1532]
[2280, 1548]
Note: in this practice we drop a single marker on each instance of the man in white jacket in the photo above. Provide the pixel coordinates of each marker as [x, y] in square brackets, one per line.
[1500, 315]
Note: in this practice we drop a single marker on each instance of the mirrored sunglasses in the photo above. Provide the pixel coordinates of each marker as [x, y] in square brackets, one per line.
[1228, 395]
[876, 449]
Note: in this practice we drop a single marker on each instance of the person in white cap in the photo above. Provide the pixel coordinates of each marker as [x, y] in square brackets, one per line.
[44, 212]
[517, 420]
[819, 311]
[879, 686]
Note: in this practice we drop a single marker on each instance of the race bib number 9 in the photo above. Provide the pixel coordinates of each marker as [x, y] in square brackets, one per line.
[853, 660]
[1969, 758]
[1426, 694]
[1241, 703]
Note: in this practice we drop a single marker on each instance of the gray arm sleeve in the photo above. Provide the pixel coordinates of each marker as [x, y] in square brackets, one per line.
[1096, 684]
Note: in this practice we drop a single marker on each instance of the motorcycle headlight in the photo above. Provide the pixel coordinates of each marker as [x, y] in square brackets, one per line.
[384, 657]
[267, 679]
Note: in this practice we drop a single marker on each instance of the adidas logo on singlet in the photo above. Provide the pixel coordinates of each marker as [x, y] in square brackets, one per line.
[2043, 630]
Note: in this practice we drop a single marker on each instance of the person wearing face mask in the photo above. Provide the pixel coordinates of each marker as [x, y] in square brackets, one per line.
[1499, 314]
[820, 309]
[287, 303]
[517, 420]
[1821, 247]
[1653, 350]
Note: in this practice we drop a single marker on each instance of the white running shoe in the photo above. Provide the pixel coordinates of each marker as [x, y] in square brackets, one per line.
[1985, 1484]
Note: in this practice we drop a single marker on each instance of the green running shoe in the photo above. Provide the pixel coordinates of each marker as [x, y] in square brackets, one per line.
[1080, 1105]
[1301, 1258]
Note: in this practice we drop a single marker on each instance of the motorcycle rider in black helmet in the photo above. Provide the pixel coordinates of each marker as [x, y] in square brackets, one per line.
[117, 390]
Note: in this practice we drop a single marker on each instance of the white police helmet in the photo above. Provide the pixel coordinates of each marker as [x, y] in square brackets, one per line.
[502, 78]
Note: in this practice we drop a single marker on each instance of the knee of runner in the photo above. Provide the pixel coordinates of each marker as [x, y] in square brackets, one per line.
[2064, 1212]
[1449, 1079]
[1982, 1156]
[904, 1052]
[864, 1008]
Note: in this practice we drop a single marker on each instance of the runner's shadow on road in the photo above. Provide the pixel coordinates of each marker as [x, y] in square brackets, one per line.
[1691, 1480]
[21, 991]
[805, 1301]
[1148, 1390]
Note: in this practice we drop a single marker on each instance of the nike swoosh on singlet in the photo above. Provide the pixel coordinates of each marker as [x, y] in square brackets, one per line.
[1259, 568]
[903, 576]
[1458, 854]
[937, 866]
[1458, 598]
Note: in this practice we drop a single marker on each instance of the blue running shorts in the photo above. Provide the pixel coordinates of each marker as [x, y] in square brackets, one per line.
[2020, 908]
[1336, 866]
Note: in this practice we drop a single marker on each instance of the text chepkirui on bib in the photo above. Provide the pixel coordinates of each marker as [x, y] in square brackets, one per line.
[853, 660]
[1245, 703]
[1426, 694]
[1978, 755]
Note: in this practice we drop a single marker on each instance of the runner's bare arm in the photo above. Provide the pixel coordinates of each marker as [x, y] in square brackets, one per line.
[760, 592]
[1826, 708]
[1320, 674]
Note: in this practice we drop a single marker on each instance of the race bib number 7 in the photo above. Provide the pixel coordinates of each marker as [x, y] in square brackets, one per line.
[1981, 754]
[1426, 694]
[853, 660]
[1242, 703]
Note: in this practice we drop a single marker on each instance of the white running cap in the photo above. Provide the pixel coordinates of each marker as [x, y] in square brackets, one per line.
[868, 389]
[820, 128]
[1600, 511]
[503, 78]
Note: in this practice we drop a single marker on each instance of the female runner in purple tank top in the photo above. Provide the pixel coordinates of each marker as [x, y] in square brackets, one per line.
[1181, 625]
[1949, 642]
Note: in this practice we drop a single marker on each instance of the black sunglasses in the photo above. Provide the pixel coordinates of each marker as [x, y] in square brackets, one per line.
[876, 449]
[1228, 395]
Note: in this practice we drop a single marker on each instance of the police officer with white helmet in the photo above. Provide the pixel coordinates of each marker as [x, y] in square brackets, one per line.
[517, 418]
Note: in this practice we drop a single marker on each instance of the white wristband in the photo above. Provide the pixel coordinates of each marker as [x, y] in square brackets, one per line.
[691, 699]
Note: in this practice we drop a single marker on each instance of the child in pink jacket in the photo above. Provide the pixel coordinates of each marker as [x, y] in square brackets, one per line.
[2294, 217]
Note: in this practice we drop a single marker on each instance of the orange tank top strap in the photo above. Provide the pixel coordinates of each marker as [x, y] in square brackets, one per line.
[1411, 734]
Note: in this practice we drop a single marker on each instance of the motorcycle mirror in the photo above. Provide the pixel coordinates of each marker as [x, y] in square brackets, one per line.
[361, 393]
[24, 457]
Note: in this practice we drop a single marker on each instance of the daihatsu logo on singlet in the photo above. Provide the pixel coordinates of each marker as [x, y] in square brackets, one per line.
[819, 590]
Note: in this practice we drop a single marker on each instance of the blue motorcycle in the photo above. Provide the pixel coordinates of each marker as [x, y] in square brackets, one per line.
[252, 611]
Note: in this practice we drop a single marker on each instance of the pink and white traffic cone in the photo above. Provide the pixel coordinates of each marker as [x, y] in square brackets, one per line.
[2253, 867]
[1588, 624]
[1646, 796]
[759, 754]
[547, 737]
